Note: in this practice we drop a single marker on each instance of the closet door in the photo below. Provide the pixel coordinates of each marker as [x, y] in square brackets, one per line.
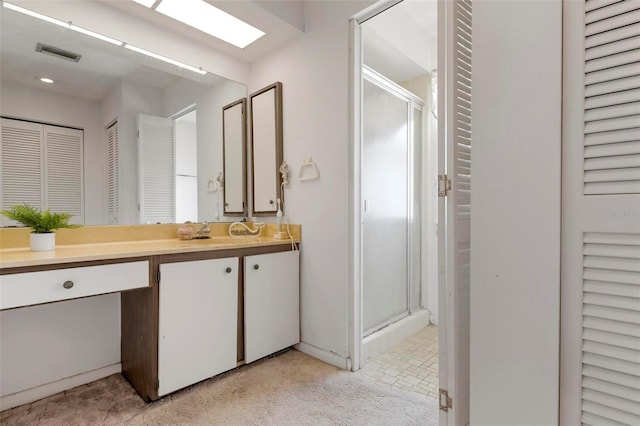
[113, 177]
[63, 171]
[21, 154]
[600, 291]
[42, 166]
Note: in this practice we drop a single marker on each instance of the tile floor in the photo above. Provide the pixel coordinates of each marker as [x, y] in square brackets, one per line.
[411, 365]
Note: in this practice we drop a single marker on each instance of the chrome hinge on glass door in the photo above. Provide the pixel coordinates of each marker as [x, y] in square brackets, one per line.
[444, 185]
[445, 400]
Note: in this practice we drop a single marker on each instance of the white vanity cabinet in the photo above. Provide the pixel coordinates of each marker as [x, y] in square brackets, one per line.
[271, 303]
[197, 328]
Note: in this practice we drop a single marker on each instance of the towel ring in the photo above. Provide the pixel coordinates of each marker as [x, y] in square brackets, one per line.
[308, 163]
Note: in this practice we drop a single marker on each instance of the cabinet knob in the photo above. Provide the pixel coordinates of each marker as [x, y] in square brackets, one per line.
[228, 270]
[256, 266]
[67, 284]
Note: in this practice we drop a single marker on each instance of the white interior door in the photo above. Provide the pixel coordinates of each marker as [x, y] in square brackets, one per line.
[454, 147]
[21, 171]
[156, 169]
[64, 171]
[600, 290]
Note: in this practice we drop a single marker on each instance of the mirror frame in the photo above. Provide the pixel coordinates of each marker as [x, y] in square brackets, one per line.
[243, 142]
[276, 118]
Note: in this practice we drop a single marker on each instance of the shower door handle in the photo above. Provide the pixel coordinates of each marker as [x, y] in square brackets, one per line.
[365, 206]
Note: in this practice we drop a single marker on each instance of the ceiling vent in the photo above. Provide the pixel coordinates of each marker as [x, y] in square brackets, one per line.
[57, 52]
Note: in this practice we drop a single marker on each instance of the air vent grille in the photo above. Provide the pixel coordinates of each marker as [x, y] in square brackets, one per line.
[57, 52]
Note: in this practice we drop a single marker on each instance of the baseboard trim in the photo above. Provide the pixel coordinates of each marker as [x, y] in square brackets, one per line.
[433, 318]
[33, 394]
[388, 337]
[323, 355]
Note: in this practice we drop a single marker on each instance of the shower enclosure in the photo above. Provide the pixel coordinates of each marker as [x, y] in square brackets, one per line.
[392, 135]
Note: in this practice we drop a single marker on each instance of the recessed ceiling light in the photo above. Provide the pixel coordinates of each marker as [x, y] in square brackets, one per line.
[46, 80]
[209, 19]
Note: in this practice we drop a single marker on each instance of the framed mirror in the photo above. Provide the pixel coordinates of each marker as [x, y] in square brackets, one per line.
[234, 142]
[266, 149]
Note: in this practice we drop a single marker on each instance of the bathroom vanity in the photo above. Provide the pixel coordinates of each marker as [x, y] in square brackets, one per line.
[189, 310]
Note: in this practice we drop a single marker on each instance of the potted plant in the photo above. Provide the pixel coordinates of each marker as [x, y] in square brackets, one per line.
[43, 223]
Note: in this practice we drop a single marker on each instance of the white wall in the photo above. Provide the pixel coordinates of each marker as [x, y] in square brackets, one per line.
[314, 72]
[29, 103]
[210, 101]
[47, 343]
[515, 224]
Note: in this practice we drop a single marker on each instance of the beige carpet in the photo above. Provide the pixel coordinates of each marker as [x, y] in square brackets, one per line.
[290, 389]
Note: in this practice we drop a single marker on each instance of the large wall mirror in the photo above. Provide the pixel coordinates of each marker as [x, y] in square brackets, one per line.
[153, 132]
[266, 148]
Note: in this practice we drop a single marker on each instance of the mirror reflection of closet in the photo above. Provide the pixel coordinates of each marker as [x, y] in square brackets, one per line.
[234, 158]
[266, 148]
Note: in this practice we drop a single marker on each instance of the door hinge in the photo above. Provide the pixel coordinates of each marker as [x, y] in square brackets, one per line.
[158, 276]
[444, 185]
[157, 384]
[445, 400]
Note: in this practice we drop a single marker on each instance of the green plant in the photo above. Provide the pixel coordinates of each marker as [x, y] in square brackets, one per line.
[42, 222]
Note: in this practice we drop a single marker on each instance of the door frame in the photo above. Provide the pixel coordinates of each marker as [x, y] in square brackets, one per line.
[355, 331]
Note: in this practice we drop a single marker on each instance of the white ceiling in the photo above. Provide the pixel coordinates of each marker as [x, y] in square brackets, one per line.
[102, 65]
[401, 42]
[282, 21]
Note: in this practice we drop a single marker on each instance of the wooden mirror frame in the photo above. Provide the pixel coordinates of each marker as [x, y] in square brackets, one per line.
[266, 136]
[226, 127]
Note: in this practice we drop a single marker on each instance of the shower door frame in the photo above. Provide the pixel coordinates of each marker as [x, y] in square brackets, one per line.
[413, 225]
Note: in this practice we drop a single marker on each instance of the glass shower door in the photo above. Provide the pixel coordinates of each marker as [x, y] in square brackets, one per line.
[385, 194]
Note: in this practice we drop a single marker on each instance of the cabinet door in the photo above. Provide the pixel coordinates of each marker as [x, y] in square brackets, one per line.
[198, 321]
[272, 303]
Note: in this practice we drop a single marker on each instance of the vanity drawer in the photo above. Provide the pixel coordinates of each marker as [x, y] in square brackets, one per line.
[30, 288]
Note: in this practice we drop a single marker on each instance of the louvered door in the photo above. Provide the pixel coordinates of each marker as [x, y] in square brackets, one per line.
[113, 178]
[455, 140]
[63, 170]
[42, 166]
[156, 169]
[21, 154]
[600, 348]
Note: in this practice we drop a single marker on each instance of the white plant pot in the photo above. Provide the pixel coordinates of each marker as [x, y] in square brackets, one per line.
[43, 242]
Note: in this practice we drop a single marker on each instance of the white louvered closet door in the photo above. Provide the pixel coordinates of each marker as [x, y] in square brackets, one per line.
[21, 177]
[113, 177]
[156, 169]
[600, 283]
[63, 170]
[455, 139]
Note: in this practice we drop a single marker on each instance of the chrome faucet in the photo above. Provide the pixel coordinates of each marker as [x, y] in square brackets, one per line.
[203, 232]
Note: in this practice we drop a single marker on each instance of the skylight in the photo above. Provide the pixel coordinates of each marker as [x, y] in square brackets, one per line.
[206, 18]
